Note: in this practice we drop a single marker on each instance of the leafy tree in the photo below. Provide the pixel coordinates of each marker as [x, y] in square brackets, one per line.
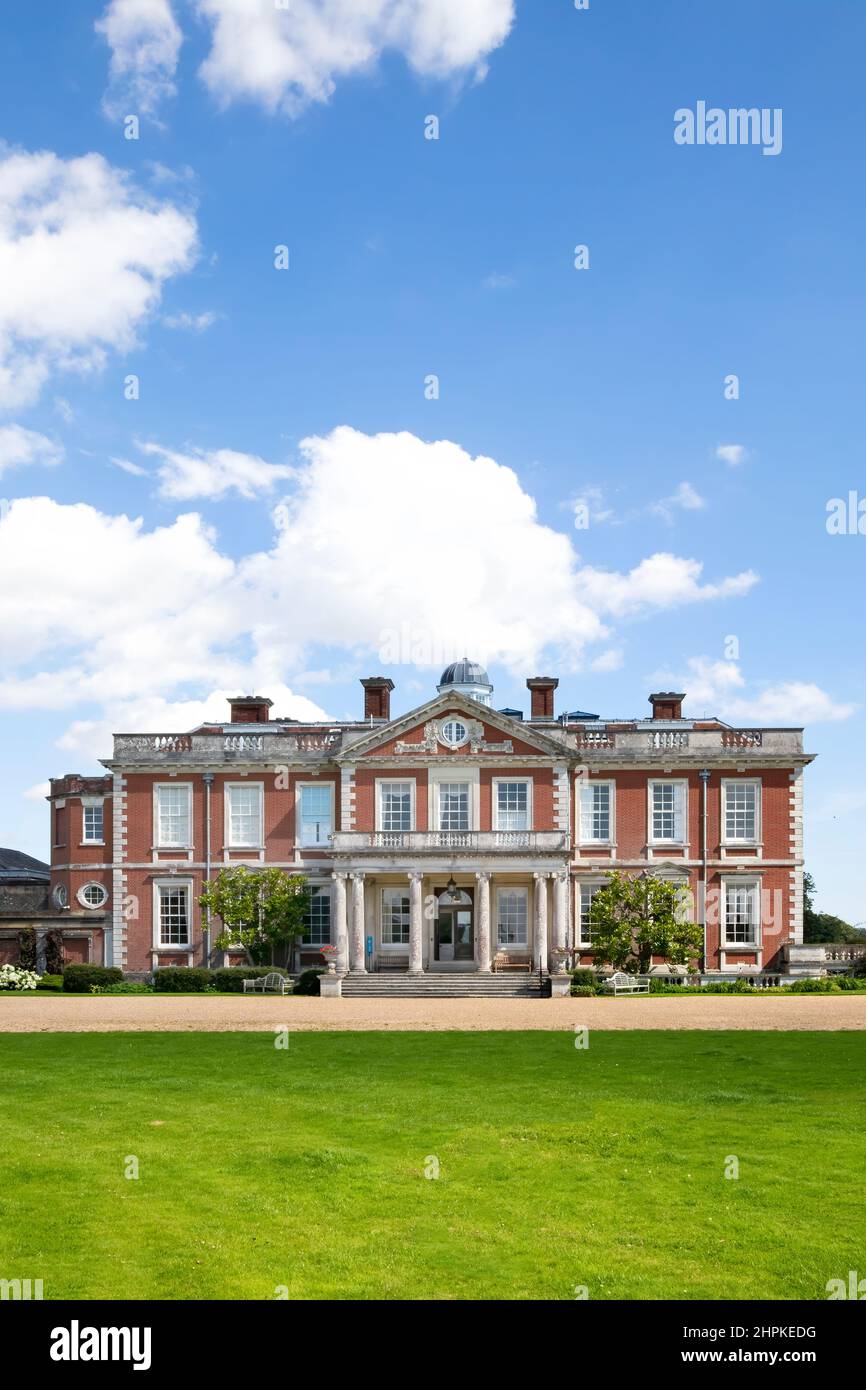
[634, 918]
[259, 909]
[823, 926]
[54, 957]
[27, 948]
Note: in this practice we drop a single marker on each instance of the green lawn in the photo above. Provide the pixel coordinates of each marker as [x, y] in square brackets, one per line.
[305, 1167]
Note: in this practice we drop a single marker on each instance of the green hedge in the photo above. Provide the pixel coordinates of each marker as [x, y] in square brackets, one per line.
[78, 979]
[230, 979]
[50, 982]
[308, 982]
[182, 979]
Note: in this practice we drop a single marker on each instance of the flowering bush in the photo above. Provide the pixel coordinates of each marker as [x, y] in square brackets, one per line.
[13, 977]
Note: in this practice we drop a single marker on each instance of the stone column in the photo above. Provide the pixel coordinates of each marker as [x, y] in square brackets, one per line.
[356, 958]
[341, 924]
[540, 952]
[560, 916]
[416, 925]
[483, 922]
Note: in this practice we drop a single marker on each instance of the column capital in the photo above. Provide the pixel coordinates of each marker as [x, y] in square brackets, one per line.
[415, 876]
[338, 875]
[356, 877]
[483, 875]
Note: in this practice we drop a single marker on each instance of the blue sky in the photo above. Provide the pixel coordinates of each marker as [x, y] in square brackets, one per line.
[411, 257]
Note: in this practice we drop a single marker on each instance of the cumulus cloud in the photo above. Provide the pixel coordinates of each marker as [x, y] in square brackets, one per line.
[214, 473]
[145, 41]
[19, 446]
[684, 498]
[288, 58]
[37, 792]
[373, 542]
[83, 257]
[191, 323]
[720, 687]
[732, 454]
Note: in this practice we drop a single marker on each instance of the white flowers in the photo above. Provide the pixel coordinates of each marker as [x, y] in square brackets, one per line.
[13, 977]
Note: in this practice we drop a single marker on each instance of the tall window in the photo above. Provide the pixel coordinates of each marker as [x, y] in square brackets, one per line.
[512, 805]
[317, 918]
[512, 916]
[173, 818]
[454, 806]
[314, 816]
[174, 915]
[595, 811]
[742, 913]
[93, 822]
[245, 814]
[396, 805]
[587, 928]
[668, 808]
[395, 917]
[741, 811]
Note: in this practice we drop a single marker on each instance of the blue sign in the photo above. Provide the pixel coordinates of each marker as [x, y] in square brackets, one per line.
[369, 945]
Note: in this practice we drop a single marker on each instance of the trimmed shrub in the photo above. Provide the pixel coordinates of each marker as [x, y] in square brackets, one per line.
[27, 949]
[583, 975]
[54, 957]
[125, 987]
[823, 986]
[582, 991]
[181, 979]
[50, 982]
[308, 982]
[78, 979]
[230, 978]
[849, 982]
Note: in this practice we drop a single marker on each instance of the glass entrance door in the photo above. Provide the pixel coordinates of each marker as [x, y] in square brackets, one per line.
[454, 938]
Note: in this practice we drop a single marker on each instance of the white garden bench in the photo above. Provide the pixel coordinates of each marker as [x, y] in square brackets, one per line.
[272, 983]
[620, 983]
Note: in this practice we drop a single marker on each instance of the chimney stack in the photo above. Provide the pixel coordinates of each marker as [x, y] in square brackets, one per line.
[542, 688]
[250, 709]
[377, 697]
[667, 704]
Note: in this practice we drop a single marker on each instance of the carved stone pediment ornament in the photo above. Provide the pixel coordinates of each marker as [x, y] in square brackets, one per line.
[475, 740]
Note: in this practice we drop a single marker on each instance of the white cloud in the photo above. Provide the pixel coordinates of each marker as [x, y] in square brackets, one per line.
[214, 473]
[38, 792]
[64, 409]
[661, 581]
[191, 323]
[496, 281]
[685, 498]
[83, 257]
[366, 518]
[732, 454]
[135, 469]
[719, 687]
[286, 59]
[145, 41]
[19, 446]
[611, 660]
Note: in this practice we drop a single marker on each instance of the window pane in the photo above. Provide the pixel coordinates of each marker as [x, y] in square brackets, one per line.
[315, 815]
[244, 816]
[173, 916]
[173, 815]
[667, 811]
[395, 917]
[741, 912]
[454, 806]
[741, 811]
[396, 806]
[93, 822]
[512, 805]
[595, 811]
[587, 928]
[317, 918]
[512, 917]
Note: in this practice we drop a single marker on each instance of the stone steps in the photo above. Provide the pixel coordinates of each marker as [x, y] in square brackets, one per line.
[468, 986]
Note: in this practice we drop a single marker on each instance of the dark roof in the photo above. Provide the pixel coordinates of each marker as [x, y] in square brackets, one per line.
[22, 868]
[464, 672]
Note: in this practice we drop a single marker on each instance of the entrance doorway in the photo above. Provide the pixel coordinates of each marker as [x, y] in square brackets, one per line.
[454, 934]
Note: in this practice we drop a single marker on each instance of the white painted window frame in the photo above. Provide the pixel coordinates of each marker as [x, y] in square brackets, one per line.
[518, 947]
[381, 783]
[759, 797]
[741, 881]
[172, 881]
[172, 786]
[498, 782]
[610, 783]
[667, 782]
[299, 820]
[92, 883]
[397, 946]
[229, 787]
[454, 772]
[584, 881]
[91, 803]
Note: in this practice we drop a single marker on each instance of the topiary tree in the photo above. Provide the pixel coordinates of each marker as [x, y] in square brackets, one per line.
[27, 948]
[636, 917]
[54, 957]
[259, 909]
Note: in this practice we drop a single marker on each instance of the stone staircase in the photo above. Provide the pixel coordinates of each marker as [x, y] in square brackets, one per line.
[469, 985]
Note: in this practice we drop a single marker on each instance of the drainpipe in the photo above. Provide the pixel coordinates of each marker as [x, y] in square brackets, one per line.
[704, 775]
[207, 778]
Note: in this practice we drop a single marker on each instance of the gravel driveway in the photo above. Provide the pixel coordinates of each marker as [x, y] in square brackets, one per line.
[228, 1013]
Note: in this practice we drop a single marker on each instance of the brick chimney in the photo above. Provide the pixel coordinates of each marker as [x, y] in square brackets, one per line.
[542, 688]
[667, 705]
[377, 697]
[250, 709]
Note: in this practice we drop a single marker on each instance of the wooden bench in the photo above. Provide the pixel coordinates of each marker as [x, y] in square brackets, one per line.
[509, 960]
[389, 962]
[272, 983]
[620, 983]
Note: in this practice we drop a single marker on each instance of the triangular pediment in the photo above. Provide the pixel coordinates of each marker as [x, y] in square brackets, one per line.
[421, 732]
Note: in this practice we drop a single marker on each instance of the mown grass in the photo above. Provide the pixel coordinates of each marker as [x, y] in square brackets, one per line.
[304, 1167]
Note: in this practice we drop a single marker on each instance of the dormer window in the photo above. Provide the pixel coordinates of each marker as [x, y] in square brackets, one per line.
[454, 733]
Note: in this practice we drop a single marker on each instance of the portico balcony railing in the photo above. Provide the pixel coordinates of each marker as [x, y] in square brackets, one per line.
[479, 841]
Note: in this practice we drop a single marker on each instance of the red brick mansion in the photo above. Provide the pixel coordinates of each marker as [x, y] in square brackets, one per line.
[453, 838]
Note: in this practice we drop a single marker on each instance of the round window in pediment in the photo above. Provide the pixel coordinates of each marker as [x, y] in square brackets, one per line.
[454, 733]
